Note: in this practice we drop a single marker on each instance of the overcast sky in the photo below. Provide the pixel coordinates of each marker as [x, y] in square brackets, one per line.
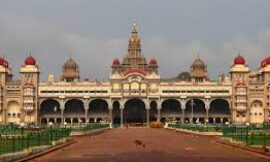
[96, 31]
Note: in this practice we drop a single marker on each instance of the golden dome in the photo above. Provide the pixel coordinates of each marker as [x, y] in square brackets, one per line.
[70, 70]
[198, 63]
[70, 63]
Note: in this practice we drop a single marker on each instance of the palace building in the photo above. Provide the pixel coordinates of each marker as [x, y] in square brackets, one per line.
[135, 92]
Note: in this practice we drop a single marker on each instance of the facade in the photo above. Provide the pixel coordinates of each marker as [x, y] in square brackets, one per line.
[135, 92]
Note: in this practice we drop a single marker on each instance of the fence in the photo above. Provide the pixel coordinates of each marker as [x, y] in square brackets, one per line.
[20, 140]
[200, 128]
[250, 135]
[90, 127]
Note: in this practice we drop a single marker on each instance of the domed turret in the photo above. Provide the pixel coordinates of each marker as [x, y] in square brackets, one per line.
[199, 70]
[70, 71]
[30, 60]
[265, 62]
[198, 63]
[116, 62]
[153, 62]
[239, 60]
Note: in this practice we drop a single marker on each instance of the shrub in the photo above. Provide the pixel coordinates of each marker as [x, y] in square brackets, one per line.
[156, 125]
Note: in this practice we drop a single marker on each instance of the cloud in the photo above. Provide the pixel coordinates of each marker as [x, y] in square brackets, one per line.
[52, 44]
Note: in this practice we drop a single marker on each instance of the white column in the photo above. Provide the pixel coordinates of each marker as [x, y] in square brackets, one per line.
[86, 107]
[62, 107]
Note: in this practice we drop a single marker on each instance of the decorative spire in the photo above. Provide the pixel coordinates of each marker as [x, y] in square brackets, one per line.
[134, 29]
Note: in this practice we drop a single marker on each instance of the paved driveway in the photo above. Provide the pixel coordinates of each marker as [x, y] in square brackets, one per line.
[159, 145]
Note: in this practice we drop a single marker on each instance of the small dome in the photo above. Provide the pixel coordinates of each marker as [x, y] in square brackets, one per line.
[198, 63]
[239, 60]
[70, 63]
[30, 61]
[265, 62]
[3, 62]
[116, 62]
[153, 62]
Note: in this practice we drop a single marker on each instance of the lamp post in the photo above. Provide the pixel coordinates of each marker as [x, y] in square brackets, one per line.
[65, 126]
[192, 106]
[247, 124]
[22, 128]
[50, 125]
[80, 122]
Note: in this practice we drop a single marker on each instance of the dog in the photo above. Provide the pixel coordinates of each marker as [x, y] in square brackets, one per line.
[138, 143]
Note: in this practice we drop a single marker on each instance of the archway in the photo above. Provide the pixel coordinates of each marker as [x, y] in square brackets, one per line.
[170, 109]
[134, 111]
[13, 108]
[99, 109]
[116, 119]
[50, 108]
[153, 112]
[219, 109]
[74, 108]
[198, 108]
[256, 112]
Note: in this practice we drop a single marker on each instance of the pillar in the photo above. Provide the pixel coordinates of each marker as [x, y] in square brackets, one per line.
[111, 116]
[86, 107]
[62, 107]
[121, 117]
[147, 116]
[207, 116]
[158, 115]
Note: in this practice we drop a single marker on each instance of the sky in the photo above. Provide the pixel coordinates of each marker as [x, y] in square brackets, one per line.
[97, 31]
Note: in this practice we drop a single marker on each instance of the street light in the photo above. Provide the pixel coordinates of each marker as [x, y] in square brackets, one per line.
[50, 124]
[22, 128]
[192, 105]
[247, 124]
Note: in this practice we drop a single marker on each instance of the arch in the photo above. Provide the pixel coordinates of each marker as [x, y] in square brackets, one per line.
[219, 108]
[13, 107]
[116, 116]
[134, 111]
[91, 120]
[74, 108]
[68, 120]
[153, 111]
[256, 112]
[51, 120]
[98, 108]
[170, 109]
[50, 108]
[43, 121]
[198, 109]
[163, 120]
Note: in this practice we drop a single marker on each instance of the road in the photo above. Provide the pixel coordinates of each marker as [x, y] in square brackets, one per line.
[160, 145]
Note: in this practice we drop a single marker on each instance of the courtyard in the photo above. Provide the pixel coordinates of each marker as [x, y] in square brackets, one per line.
[157, 145]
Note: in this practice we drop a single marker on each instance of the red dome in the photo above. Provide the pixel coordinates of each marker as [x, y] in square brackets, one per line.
[3, 62]
[265, 62]
[116, 62]
[30, 61]
[240, 60]
[153, 62]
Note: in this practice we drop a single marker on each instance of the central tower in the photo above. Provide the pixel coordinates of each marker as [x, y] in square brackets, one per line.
[134, 58]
